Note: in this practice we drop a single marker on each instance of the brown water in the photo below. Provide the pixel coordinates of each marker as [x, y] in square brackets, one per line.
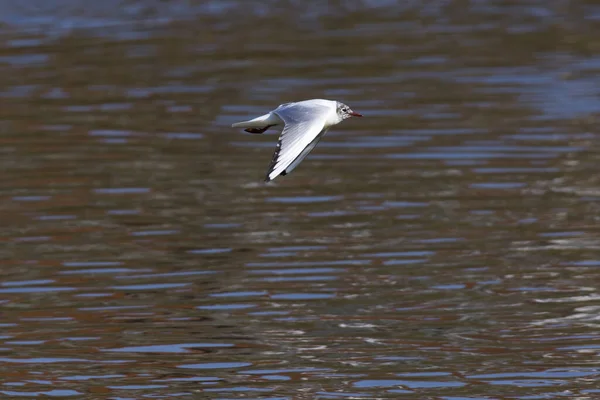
[446, 246]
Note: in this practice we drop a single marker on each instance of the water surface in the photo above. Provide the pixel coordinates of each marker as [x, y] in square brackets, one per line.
[443, 247]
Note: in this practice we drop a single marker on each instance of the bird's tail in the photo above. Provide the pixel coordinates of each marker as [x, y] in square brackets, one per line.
[266, 120]
[258, 122]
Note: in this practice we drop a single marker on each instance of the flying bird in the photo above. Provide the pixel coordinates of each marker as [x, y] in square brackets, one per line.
[303, 124]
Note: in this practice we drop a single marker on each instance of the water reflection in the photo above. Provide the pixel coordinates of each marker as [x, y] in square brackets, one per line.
[442, 247]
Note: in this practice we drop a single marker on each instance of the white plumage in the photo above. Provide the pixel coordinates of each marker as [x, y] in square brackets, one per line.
[303, 124]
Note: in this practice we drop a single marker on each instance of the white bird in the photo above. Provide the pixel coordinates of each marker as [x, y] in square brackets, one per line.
[303, 124]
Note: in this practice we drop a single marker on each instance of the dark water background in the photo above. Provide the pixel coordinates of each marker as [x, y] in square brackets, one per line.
[446, 246]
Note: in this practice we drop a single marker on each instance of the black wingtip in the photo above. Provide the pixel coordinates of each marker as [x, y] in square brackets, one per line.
[267, 179]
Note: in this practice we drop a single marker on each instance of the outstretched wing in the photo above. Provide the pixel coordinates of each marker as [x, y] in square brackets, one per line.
[304, 125]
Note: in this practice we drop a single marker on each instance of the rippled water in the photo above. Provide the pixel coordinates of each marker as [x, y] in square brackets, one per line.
[443, 247]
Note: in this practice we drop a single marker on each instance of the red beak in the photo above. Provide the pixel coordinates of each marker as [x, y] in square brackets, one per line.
[355, 114]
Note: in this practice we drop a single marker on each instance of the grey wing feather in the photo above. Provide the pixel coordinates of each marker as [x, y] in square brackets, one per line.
[303, 124]
[304, 153]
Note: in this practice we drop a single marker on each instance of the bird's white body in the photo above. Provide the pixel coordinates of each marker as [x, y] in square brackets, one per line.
[272, 118]
[303, 124]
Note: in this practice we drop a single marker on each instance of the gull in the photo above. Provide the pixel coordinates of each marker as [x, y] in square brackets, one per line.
[302, 125]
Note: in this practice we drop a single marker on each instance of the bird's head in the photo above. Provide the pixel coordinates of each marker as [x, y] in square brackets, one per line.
[344, 111]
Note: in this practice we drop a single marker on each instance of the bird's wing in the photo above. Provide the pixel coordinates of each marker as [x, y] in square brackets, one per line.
[303, 124]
